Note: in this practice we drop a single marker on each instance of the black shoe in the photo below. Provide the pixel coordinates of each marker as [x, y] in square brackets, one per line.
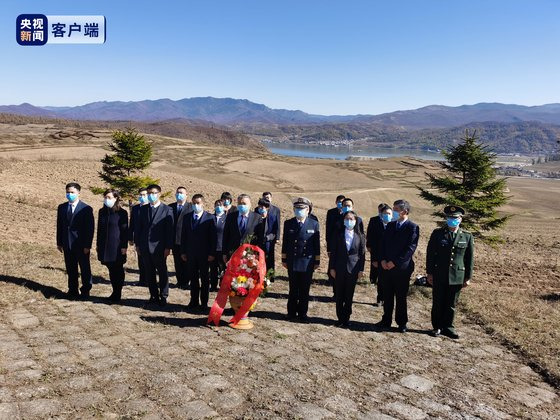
[338, 324]
[346, 324]
[382, 325]
[72, 294]
[114, 298]
[304, 319]
[192, 305]
[84, 295]
[450, 333]
[402, 329]
[141, 283]
[436, 332]
[162, 301]
[290, 318]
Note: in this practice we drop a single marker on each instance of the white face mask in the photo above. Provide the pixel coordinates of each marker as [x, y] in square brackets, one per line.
[109, 202]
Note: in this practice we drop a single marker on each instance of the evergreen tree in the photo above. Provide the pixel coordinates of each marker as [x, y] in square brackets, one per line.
[122, 170]
[471, 182]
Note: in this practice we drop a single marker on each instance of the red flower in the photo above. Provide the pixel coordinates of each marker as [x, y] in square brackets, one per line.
[242, 291]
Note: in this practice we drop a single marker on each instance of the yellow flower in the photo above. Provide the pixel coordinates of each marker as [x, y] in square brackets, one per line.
[241, 279]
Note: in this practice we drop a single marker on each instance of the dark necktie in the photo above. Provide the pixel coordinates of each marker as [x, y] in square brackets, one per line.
[243, 226]
[196, 219]
[300, 224]
[69, 212]
[152, 211]
[179, 208]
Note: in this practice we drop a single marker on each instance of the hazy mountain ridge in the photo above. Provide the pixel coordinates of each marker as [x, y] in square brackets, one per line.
[229, 111]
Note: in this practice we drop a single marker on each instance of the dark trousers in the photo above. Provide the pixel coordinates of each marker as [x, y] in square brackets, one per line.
[345, 286]
[444, 299]
[331, 279]
[156, 263]
[298, 297]
[269, 258]
[396, 289]
[217, 268]
[142, 276]
[181, 271]
[116, 275]
[199, 280]
[376, 278]
[73, 259]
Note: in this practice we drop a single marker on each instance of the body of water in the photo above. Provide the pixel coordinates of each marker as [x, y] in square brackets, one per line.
[342, 152]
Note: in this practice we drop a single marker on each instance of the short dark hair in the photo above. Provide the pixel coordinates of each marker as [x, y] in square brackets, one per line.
[142, 189]
[197, 196]
[384, 207]
[180, 188]
[353, 213]
[403, 205]
[264, 203]
[348, 199]
[73, 185]
[381, 205]
[218, 203]
[339, 198]
[226, 195]
[153, 187]
[267, 193]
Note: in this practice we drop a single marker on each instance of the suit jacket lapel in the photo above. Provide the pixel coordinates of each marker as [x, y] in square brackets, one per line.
[457, 237]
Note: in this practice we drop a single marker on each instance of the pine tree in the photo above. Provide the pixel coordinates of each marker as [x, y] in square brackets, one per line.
[122, 170]
[471, 182]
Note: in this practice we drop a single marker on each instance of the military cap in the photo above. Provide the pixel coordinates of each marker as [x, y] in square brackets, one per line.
[302, 202]
[454, 211]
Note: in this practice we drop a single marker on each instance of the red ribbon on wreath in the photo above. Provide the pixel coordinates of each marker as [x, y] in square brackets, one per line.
[233, 270]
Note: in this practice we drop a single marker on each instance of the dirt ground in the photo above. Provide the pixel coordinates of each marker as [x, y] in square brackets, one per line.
[74, 359]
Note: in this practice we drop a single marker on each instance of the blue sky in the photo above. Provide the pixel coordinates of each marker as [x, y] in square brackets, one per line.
[324, 57]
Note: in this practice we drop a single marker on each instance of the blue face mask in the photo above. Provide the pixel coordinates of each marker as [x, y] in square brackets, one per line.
[299, 213]
[227, 202]
[396, 215]
[261, 210]
[346, 209]
[219, 210]
[197, 208]
[386, 218]
[71, 197]
[339, 205]
[180, 197]
[243, 208]
[152, 198]
[142, 199]
[349, 224]
[453, 222]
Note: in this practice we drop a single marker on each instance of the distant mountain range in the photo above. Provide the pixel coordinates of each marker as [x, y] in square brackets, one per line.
[232, 112]
[506, 128]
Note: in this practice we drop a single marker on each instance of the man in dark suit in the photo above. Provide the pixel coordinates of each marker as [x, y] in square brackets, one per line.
[330, 226]
[348, 256]
[134, 211]
[198, 249]
[218, 266]
[301, 255]
[449, 264]
[74, 236]
[271, 229]
[240, 226]
[155, 238]
[399, 244]
[180, 208]
[374, 241]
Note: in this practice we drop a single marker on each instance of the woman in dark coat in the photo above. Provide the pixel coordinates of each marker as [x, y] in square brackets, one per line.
[112, 240]
[347, 260]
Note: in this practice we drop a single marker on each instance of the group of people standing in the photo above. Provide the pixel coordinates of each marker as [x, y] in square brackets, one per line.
[201, 243]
